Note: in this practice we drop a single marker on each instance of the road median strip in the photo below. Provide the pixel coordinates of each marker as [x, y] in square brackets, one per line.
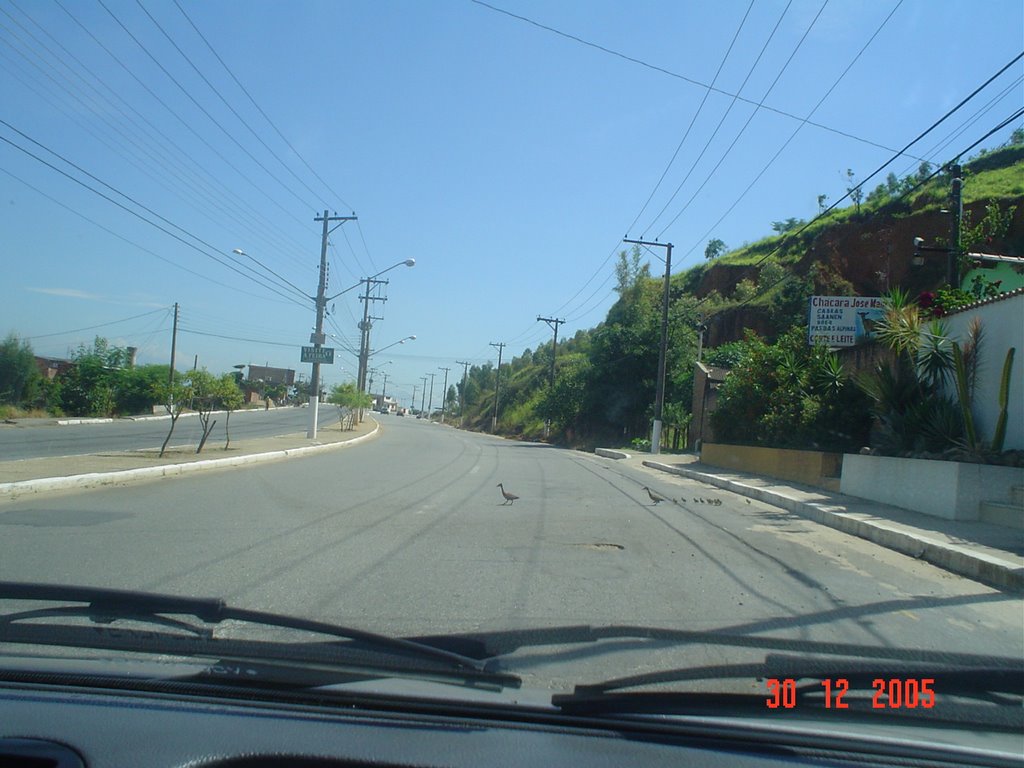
[13, 490]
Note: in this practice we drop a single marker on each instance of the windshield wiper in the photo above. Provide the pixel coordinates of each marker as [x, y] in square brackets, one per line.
[363, 652]
[995, 691]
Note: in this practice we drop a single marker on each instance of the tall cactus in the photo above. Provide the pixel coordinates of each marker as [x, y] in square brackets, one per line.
[963, 395]
[1004, 399]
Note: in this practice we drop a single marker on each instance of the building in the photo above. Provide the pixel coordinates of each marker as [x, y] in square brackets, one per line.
[51, 367]
[706, 379]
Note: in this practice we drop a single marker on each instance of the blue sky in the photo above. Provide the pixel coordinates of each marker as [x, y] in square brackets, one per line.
[507, 159]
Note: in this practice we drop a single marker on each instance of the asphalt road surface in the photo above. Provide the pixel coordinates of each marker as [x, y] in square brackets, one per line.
[408, 534]
[29, 440]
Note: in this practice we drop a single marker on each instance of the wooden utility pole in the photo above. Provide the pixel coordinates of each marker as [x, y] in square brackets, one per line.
[462, 394]
[444, 391]
[497, 384]
[659, 398]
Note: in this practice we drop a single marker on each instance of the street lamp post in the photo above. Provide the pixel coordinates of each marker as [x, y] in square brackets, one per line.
[659, 398]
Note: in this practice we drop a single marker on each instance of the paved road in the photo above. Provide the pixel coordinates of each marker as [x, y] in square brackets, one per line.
[407, 534]
[29, 440]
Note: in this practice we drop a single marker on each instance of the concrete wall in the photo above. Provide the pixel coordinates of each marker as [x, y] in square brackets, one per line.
[945, 489]
[1002, 324]
[815, 468]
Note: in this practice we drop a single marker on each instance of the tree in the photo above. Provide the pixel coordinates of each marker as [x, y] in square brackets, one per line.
[231, 399]
[205, 396]
[854, 191]
[88, 388]
[782, 227]
[789, 395]
[822, 200]
[133, 388]
[19, 377]
[714, 249]
[175, 396]
[349, 400]
[628, 272]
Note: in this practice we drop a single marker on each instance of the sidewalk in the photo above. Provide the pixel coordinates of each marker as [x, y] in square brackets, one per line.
[993, 554]
[29, 476]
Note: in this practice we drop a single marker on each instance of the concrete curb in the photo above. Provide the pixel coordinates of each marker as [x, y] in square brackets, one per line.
[165, 416]
[93, 479]
[961, 560]
[610, 453]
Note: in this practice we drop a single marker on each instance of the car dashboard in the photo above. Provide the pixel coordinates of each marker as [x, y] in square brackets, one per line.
[57, 725]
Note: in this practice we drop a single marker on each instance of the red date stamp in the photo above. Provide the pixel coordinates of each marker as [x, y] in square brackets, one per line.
[888, 693]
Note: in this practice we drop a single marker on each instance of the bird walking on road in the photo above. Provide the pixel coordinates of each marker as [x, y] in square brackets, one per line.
[510, 498]
[657, 498]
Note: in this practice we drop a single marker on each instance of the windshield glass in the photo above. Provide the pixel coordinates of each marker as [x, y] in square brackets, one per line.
[614, 347]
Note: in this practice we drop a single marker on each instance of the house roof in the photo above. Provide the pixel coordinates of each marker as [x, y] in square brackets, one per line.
[992, 300]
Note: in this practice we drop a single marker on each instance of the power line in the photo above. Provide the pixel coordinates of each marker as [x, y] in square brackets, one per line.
[132, 243]
[805, 120]
[196, 103]
[228, 105]
[693, 120]
[109, 110]
[132, 212]
[182, 329]
[259, 109]
[99, 325]
[130, 199]
[186, 156]
[786, 143]
[676, 75]
[728, 111]
[259, 188]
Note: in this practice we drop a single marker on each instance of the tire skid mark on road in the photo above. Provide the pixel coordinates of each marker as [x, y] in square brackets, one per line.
[530, 572]
[384, 559]
[722, 566]
[863, 616]
[348, 536]
[269, 490]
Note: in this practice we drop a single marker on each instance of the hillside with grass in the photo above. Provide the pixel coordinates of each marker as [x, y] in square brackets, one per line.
[604, 386]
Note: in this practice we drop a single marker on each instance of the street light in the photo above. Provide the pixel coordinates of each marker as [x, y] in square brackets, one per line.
[389, 346]
[407, 263]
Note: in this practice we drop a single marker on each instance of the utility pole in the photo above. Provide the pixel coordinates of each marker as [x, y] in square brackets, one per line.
[554, 323]
[444, 391]
[174, 344]
[384, 391]
[659, 398]
[412, 403]
[430, 402]
[701, 329]
[317, 338]
[462, 395]
[423, 395]
[364, 327]
[497, 384]
[956, 214]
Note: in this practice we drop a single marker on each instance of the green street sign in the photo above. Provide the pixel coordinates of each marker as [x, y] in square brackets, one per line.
[318, 355]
